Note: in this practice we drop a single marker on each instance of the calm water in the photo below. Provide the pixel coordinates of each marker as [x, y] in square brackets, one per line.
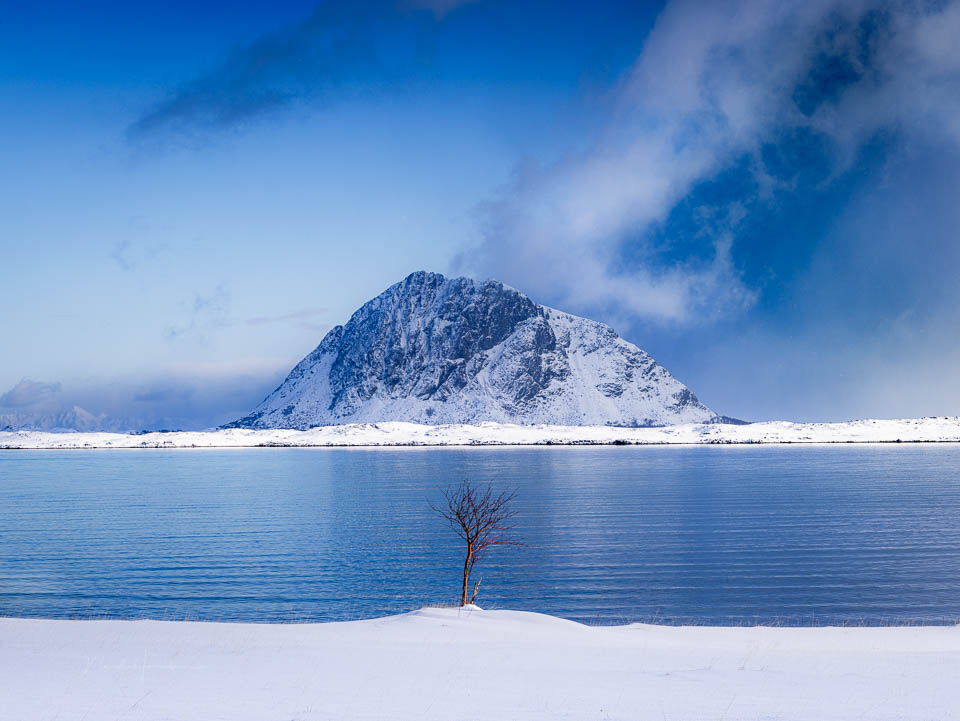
[710, 534]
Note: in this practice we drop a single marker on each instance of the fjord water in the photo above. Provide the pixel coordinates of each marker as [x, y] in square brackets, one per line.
[786, 534]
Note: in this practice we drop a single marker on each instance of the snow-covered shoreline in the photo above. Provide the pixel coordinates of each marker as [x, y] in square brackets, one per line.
[940, 429]
[472, 664]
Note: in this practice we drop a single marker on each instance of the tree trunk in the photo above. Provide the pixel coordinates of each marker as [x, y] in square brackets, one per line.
[466, 576]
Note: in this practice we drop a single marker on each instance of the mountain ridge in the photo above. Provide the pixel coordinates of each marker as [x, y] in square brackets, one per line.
[438, 350]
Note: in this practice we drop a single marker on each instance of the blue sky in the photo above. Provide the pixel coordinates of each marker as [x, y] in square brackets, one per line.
[762, 195]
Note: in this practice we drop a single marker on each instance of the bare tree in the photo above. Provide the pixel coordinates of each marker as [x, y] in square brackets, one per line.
[482, 520]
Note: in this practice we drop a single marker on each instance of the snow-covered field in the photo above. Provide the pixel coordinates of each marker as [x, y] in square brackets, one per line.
[455, 664]
[937, 429]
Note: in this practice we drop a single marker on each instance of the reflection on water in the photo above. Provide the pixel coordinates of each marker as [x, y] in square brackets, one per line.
[703, 534]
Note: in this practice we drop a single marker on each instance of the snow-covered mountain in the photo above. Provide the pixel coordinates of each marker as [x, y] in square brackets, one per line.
[70, 419]
[453, 350]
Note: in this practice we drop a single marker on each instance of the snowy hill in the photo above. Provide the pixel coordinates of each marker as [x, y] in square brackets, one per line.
[441, 350]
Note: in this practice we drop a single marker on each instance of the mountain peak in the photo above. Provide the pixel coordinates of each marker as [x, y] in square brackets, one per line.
[432, 349]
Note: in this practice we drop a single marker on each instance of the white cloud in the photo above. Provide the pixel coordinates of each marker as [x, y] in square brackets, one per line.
[28, 393]
[714, 82]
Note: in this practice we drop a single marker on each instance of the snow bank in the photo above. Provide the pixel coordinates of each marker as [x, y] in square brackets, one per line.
[449, 664]
[939, 429]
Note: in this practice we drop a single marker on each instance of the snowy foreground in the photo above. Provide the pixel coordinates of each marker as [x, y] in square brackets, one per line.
[470, 664]
[938, 429]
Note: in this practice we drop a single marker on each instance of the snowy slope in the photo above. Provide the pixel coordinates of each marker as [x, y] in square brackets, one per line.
[942, 429]
[436, 350]
[471, 664]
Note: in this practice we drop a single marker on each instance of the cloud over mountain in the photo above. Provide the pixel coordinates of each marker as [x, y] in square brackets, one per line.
[730, 109]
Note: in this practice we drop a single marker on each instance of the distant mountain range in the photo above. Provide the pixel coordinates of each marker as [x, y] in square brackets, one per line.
[438, 350]
[37, 406]
[72, 419]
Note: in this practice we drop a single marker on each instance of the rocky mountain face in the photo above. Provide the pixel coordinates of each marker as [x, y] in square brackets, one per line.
[453, 350]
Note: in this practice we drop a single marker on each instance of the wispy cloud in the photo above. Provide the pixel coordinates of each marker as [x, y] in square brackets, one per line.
[341, 46]
[716, 86]
[122, 255]
[207, 312]
[164, 394]
[131, 254]
[439, 7]
[306, 318]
